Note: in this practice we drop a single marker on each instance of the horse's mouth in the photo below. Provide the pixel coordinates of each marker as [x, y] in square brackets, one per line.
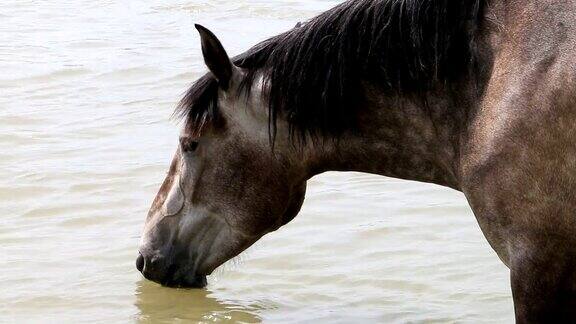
[176, 277]
[191, 282]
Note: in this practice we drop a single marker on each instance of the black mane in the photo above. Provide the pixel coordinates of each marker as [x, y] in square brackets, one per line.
[314, 71]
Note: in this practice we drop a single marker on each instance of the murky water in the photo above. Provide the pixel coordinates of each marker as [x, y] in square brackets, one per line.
[86, 92]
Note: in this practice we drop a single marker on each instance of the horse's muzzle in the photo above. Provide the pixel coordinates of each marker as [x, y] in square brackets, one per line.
[168, 274]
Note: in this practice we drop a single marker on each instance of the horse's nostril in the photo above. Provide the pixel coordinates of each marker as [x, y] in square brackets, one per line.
[140, 262]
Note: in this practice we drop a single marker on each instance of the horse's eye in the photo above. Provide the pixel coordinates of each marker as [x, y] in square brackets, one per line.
[187, 145]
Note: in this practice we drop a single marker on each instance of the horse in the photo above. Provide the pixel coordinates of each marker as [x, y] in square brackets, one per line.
[474, 95]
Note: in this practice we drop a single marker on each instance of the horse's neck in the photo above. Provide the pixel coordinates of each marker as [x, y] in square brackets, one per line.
[401, 139]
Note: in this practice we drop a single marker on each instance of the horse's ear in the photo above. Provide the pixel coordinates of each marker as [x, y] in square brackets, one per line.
[215, 57]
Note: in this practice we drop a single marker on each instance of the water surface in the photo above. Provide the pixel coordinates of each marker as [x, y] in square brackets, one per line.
[86, 93]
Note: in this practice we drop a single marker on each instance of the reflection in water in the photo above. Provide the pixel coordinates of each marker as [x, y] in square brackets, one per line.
[160, 304]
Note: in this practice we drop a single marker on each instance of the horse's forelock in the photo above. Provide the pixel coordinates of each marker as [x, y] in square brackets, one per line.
[199, 106]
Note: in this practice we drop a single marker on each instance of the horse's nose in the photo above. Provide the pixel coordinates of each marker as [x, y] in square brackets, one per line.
[158, 269]
[152, 267]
